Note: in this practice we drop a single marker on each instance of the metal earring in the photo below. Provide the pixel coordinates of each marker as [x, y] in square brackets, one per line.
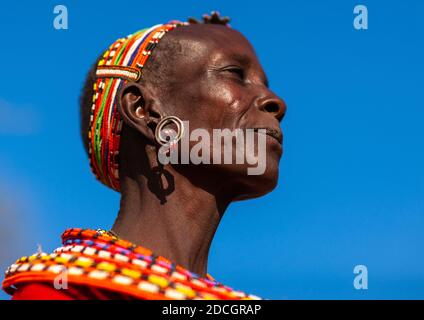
[162, 123]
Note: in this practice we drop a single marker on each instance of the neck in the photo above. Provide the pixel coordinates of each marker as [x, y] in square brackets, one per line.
[179, 227]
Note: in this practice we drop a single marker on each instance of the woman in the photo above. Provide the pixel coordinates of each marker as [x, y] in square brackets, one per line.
[143, 95]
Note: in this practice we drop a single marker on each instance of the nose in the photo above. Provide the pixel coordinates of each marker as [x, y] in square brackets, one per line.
[273, 105]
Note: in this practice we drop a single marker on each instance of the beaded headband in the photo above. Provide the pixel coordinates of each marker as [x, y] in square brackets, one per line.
[123, 61]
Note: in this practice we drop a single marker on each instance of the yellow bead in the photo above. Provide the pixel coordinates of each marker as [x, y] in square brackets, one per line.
[131, 273]
[60, 260]
[83, 262]
[186, 290]
[160, 281]
[32, 258]
[106, 266]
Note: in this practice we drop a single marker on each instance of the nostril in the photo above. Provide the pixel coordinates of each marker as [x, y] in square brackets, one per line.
[273, 105]
[272, 108]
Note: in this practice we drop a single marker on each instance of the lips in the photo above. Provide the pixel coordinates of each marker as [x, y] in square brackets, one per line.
[274, 133]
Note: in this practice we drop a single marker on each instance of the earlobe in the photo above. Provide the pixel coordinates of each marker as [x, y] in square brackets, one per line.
[137, 110]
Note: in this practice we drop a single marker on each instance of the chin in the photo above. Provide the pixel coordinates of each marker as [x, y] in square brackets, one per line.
[254, 186]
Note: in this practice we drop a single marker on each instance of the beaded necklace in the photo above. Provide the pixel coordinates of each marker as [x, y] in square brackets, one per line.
[99, 258]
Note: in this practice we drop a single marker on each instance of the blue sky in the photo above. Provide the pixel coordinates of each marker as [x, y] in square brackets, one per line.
[351, 188]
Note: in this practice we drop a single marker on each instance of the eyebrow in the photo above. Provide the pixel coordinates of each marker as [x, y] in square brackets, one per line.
[246, 61]
[240, 57]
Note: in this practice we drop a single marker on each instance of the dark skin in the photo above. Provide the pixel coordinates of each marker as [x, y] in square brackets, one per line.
[216, 82]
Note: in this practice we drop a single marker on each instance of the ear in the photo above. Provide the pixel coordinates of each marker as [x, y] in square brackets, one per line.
[139, 109]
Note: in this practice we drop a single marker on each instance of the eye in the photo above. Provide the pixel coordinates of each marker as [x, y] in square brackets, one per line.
[238, 71]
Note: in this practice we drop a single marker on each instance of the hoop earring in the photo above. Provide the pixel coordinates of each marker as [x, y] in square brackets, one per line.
[163, 122]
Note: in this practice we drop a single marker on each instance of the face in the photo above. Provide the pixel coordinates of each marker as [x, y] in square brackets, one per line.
[218, 83]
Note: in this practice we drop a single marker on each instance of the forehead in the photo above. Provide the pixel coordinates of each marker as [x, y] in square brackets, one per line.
[206, 42]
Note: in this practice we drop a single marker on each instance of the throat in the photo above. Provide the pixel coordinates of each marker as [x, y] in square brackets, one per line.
[180, 230]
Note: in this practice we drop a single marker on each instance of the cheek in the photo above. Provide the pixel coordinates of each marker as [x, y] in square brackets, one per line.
[229, 104]
[214, 104]
[224, 95]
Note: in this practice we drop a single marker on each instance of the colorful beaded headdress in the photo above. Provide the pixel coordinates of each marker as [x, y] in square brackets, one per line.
[122, 62]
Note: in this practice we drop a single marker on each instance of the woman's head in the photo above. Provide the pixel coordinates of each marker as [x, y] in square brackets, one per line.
[208, 76]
